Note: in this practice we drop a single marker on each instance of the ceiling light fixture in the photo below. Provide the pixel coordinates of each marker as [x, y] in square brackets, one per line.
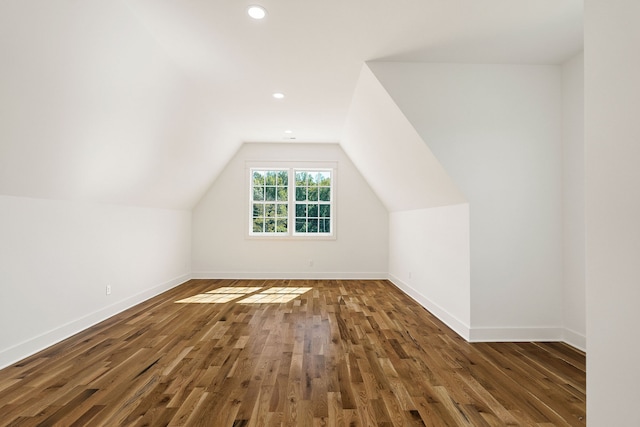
[288, 131]
[278, 95]
[257, 12]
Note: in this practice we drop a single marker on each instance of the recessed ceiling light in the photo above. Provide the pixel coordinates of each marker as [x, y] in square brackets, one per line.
[257, 12]
[288, 131]
[278, 95]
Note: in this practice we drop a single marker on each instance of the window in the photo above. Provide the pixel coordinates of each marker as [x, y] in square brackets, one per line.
[291, 202]
[313, 202]
[270, 197]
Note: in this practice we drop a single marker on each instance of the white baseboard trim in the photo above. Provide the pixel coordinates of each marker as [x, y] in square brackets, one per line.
[575, 339]
[450, 320]
[33, 345]
[549, 334]
[311, 275]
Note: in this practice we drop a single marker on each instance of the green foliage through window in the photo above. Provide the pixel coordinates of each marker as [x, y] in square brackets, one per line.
[311, 197]
[270, 201]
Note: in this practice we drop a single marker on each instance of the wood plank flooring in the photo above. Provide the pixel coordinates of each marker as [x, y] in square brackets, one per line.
[345, 353]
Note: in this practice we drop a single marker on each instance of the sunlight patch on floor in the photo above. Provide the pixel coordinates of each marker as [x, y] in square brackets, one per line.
[239, 290]
[210, 298]
[226, 294]
[285, 290]
[275, 295]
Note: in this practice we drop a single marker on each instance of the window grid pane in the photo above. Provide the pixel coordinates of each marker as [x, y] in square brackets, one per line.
[270, 194]
[313, 202]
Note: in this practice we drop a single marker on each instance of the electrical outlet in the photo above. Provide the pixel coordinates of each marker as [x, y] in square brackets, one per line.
[108, 289]
[310, 263]
[410, 275]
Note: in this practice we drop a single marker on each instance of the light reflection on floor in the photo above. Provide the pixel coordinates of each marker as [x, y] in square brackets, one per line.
[226, 294]
[245, 290]
[210, 298]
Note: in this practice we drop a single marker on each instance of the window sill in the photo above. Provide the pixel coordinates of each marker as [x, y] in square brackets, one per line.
[290, 237]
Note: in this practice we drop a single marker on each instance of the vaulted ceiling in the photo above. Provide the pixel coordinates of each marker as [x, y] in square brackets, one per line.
[143, 102]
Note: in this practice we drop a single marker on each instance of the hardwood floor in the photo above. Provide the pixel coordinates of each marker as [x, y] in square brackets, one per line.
[345, 353]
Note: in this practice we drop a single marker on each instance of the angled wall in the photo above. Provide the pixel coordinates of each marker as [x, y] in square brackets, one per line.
[92, 109]
[390, 154]
[428, 216]
[496, 129]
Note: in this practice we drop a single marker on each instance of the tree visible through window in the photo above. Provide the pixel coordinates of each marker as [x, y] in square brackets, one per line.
[291, 202]
[270, 201]
[313, 202]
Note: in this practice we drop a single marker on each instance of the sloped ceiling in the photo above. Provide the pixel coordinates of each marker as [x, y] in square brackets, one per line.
[142, 102]
[390, 153]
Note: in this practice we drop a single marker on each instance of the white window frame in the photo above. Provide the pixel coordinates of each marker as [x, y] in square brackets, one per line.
[275, 202]
[292, 168]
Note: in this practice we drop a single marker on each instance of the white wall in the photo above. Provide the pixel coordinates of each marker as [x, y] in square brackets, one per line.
[496, 129]
[612, 199]
[220, 224]
[574, 304]
[57, 257]
[429, 260]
